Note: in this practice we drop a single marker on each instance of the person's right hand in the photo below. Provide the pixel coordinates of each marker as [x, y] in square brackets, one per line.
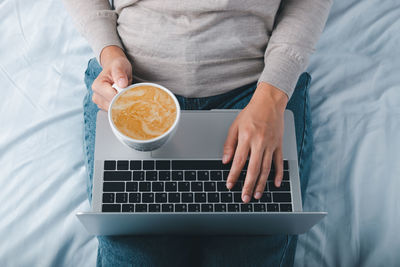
[116, 69]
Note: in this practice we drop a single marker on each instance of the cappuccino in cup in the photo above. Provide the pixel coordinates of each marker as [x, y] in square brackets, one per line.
[144, 116]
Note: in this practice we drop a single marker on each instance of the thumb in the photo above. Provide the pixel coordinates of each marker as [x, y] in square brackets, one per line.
[230, 144]
[119, 76]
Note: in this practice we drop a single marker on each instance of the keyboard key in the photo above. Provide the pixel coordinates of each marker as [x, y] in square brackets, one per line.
[216, 175]
[273, 207]
[237, 187]
[237, 197]
[128, 208]
[225, 175]
[286, 175]
[136, 165]
[194, 208]
[220, 207]
[183, 186]
[271, 176]
[161, 197]
[154, 207]
[187, 197]
[123, 165]
[266, 197]
[121, 198]
[246, 207]
[199, 197]
[147, 197]
[180, 207]
[285, 207]
[259, 207]
[108, 197]
[203, 175]
[138, 175]
[144, 186]
[140, 207]
[199, 165]
[285, 186]
[174, 197]
[164, 175]
[177, 175]
[134, 197]
[226, 197]
[242, 176]
[253, 200]
[111, 208]
[109, 165]
[281, 197]
[157, 186]
[233, 207]
[148, 164]
[170, 186]
[167, 207]
[221, 186]
[117, 175]
[207, 208]
[213, 197]
[190, 175]
[209, 186]
[113, 187]
[285, 165]
[131, 186]
[151, 176]
[196, 186]
[163, 165]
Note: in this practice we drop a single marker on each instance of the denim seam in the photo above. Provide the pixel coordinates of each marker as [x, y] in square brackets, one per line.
[284, 250]
[305, 133]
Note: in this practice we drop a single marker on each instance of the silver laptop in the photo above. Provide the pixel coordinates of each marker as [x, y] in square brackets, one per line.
[180, 187]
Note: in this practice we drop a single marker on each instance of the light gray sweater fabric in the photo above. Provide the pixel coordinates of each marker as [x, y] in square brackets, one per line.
[199, 48]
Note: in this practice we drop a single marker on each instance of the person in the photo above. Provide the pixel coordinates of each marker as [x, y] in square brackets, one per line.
[211, 54]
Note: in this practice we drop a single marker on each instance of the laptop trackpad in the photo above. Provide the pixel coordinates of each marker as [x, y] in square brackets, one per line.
[200, 134]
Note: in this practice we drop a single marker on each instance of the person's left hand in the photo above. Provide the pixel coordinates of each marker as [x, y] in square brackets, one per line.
[258, 131]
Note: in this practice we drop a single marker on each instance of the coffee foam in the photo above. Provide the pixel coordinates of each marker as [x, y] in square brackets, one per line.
[144, 112]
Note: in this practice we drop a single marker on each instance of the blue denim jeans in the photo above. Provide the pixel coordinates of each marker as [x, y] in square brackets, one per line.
[273, 250]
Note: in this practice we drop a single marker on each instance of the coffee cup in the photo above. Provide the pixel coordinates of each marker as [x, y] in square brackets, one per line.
[144, 116]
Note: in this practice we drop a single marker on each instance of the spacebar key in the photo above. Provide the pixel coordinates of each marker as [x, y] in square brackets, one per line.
[199, 165]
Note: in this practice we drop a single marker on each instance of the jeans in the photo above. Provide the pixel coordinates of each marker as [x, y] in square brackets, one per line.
[273, 250]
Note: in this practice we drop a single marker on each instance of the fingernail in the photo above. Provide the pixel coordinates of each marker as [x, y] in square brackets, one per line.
[246, 198]
[278, 183]
[225, 158]
[258, 195]
[229, 185]
[121, 82]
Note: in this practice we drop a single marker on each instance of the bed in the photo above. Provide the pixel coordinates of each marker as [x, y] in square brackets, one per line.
[355, 96]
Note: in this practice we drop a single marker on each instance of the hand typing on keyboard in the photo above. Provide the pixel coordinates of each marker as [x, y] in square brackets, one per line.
[258, 131]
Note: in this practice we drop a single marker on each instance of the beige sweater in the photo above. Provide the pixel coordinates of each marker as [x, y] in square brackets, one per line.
[200, 48]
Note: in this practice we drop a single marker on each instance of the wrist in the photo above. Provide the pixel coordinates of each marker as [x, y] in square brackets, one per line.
[269, 95]
[110, 53]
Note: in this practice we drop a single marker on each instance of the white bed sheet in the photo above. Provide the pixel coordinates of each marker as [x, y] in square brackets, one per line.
[355, 97]
[42, 172]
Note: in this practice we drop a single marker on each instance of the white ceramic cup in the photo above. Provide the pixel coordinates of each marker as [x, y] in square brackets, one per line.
[150, 144]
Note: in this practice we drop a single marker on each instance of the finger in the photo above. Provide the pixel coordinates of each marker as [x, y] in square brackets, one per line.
[119, 76]
[278, 163]
[239, 159]
[230, 144]
[265, 169]
[253, 170]
[102, 86]
[100, 101]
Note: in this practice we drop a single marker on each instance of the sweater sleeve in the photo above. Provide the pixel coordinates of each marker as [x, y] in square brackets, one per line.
[297, 28]
[96, 22]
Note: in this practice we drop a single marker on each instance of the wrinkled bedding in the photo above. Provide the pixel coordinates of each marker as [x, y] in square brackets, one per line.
[355, 96]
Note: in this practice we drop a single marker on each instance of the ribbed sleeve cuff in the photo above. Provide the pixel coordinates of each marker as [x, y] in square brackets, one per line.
[282, 69]
[101, 31]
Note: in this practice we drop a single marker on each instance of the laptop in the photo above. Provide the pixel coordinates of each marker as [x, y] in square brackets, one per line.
[180, 187]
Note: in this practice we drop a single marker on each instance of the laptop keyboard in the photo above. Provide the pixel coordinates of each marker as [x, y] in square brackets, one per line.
[185, 186]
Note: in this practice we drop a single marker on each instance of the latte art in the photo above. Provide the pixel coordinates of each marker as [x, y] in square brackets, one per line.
[144, 112]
